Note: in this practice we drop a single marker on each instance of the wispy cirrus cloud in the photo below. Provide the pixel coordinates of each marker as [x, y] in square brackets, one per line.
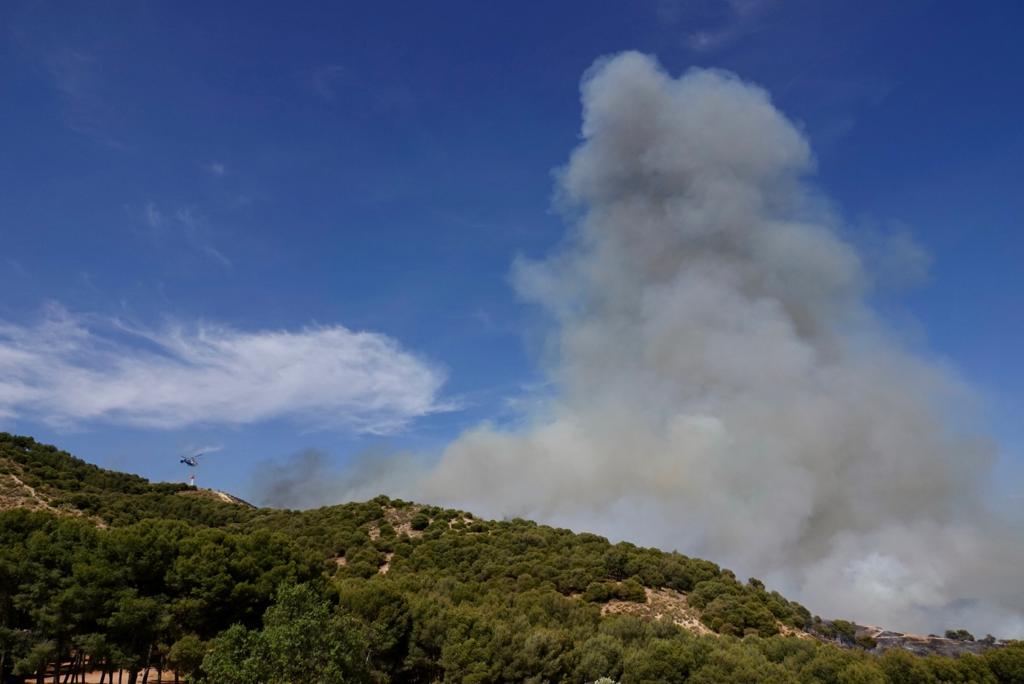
[360, 93]
[327, 80]
[188, 224]
[69, 369]
[727, 20]
[194, 229]
[76, 76]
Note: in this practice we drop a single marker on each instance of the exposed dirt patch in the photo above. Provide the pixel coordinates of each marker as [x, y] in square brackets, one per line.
[15, 493]
[406, 529]
[786, 630]
[459, 521]
[216, 495]
[383, 569]
[661, 604]
[166, 678]
[340, 561]
[401, 520]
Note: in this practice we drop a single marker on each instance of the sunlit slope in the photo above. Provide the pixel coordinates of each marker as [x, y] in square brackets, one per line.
[465, 595]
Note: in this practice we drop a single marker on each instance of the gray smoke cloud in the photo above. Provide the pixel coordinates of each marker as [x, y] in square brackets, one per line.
[303, 480]
[308, 479]
[723, 386]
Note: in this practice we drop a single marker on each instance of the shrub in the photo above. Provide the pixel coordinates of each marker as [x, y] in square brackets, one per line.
[866, 642]
[630, 590]
[959, 635]
[845, 630]
[419, 522]
[598, 592]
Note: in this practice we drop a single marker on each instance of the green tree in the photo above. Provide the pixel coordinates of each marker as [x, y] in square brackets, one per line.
[302, 640]
[599, 656]
[186, 655]
[385, 614]
[901, 667]
[1007, 664]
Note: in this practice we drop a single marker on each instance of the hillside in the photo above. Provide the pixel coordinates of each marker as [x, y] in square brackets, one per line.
[103, 570]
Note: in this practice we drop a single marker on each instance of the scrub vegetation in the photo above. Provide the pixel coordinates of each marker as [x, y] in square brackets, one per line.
[103, 571]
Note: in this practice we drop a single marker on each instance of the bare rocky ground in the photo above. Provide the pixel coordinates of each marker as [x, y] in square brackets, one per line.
[15, 493]
[661, 604]
[217, 495]
[667, 604]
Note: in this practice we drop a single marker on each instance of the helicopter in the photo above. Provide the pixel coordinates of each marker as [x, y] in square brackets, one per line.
[191, 460]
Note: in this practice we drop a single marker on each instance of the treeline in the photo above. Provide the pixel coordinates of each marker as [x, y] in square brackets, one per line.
[130, 597]
[114, 498]
[373, 631]
[158, 576]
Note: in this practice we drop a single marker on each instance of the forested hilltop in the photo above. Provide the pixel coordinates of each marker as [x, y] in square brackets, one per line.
[103, 571]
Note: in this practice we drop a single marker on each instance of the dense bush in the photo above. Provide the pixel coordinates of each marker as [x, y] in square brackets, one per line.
[225, 593]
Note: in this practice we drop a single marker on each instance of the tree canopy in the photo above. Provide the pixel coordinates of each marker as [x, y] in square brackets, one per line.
[111, 572]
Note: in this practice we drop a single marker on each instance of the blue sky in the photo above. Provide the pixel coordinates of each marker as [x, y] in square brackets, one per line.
[190, 186]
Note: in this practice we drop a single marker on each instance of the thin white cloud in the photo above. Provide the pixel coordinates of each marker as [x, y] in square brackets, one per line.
[15, 267]
[69, 370]
[194, 229]
[153, 217]
[186, 223]
[327, 79]
[742, 17]
[76, 76]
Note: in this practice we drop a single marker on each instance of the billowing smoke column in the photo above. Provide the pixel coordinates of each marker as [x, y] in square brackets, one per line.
[723, 387]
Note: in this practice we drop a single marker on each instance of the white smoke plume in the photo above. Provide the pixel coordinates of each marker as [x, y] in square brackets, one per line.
[723, 387]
